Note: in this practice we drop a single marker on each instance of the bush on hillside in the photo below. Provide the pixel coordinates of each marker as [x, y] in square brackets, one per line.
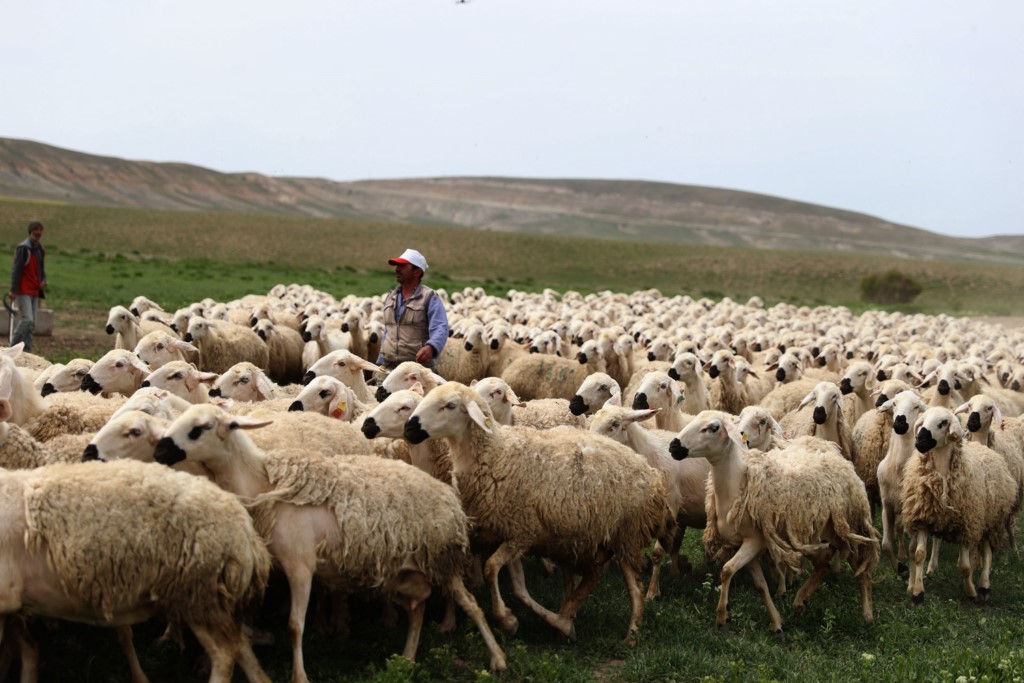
[890, 287]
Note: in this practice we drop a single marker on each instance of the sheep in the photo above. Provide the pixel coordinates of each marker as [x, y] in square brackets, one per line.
[222, 344]
[727, 394]
[468, 361]
[347, 367]
[327, 339]
[595, 390]
[118, 371]
[26, 403]
[904, 409]
[569, 495]
[946, 392]
[64, 377]
[72, 413]
[129, 328]
[328, 396]
[982, 413]
[156, 402]
[871, 436]
[374, 337]
[183, 380]
[141, 304]
[540, 413]
[121, 567]
[960, 492]
[246, 382]
[856, 384]
[160, 347]
[388, 420]
[796, 503]
[759, 430]
[303, 505]
[284, 346]
[546, 376]
[825, 421]
[406, 374]
[658, 390]
[684, 480]
[686, 368]
[352, 324]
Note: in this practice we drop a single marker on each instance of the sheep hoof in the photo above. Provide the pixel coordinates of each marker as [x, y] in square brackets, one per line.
[779, 634]
[724, 627]
[902, 570]
[799, 607]
[984, 595]
[509, 626]
[917, 599]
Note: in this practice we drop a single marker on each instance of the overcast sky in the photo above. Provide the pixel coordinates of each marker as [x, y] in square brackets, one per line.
[909, 110]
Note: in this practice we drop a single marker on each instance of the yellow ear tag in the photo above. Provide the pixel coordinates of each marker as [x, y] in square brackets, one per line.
[339, 410]
[487, 422]
[745, 438]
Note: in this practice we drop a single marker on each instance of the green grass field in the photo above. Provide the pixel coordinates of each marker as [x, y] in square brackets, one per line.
[101, 257]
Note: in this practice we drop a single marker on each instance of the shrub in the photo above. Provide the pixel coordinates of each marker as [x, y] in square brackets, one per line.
[890, 287]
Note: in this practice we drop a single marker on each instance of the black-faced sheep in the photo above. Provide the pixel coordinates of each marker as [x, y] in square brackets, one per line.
[574, 497]
[795, 503]
[960, 492]
[303, 504]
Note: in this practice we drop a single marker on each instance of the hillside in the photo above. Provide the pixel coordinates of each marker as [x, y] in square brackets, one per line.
[612, 209]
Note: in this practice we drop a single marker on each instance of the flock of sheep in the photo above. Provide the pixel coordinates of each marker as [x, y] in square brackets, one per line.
[216, 444]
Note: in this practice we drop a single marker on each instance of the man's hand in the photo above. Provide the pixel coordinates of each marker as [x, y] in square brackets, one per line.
[425, 355]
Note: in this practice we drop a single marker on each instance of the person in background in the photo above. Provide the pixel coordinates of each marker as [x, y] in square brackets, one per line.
[415, 322]
[28, 283]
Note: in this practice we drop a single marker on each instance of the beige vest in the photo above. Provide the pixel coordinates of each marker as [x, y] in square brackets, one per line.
[406, 336]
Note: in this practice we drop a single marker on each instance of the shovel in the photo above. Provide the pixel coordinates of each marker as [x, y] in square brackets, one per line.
[11, 312]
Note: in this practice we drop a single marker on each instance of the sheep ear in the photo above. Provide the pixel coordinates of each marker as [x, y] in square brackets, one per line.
[473, 383]
[477, 415]
[677, 394]
[807, 399]
[6, 411]
[435, 378]
[965, 408]
[776, 427]
[365, 364]
[138, 364]
[511, 397]
[263, 386]
[732, 430]
[416, 388]
[641, 415]
[997, 418]
[13, 351]
[613, 400]
[956, 431]
[887, 406]
[928, 379]
[183, 345]
[243, 422]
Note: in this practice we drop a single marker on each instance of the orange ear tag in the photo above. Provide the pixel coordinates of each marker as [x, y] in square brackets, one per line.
[339, 410]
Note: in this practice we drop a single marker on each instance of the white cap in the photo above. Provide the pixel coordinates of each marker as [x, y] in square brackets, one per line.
[410, 256]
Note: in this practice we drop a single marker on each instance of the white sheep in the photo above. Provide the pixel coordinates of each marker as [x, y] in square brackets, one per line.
[795, 503]
[304, 506]
[467, 361]
[387, 421]
[126, 565]
[871, 436]
[593, 393]
[824, 420]
[685, 480]
[347, 367]
[545, 376]
[406, 374]
[63, 376]
[329, 396]
[572, 496]
[222, 344]
[540, 413]
[160, 347]
[181, 379]
[727, 394]
[903, 409]
[958, 491]
[661, 392]
[686, 368]
[857, 384]
[118, 371]
[129, 328]
[284, 346]
[246, 382]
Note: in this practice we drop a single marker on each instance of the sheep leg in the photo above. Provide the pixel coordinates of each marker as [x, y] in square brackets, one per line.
[813, 582]
[915, 586]
[416, 610]
[247, 661]
[28, 650]
[559, 623]
[222, 655]
[888, 522]
[756, 573]
[680, 563]
[300, 582]
[448, 621]
[502, 556]
[469, 605]
[657, 557]
[124, 639]
[567, 613]
[636, 602]
[933, 563]
[984, 583]
[750, 549]
[967, 571]
[866, 600]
